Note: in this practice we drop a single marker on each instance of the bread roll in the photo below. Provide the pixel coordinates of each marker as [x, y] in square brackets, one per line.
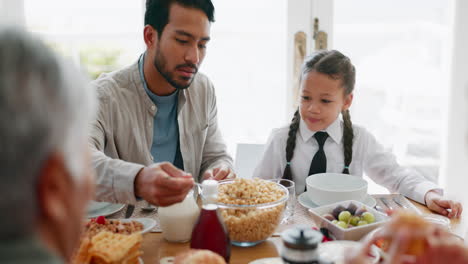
[413, 223]
[196, 256]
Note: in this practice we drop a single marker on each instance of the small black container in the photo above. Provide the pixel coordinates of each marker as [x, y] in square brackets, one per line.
[300, 246]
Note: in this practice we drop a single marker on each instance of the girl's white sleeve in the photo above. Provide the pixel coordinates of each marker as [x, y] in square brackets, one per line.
[381, 166]
[271, 163]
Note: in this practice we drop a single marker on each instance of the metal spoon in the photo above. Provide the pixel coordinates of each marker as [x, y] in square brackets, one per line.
[149, 207]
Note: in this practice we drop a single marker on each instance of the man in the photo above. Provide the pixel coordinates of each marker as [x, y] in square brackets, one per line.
[157, 118]
[45, 162]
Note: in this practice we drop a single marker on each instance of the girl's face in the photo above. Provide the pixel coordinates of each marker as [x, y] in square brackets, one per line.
[321, 100]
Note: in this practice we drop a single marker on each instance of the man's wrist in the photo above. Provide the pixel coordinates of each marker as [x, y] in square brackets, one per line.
[136, 184]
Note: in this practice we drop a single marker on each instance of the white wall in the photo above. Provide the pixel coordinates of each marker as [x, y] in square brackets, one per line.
[246, 61]
[455, 164]
[12, 12]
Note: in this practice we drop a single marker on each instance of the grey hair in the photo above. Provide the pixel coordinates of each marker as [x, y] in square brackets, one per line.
[45, 106]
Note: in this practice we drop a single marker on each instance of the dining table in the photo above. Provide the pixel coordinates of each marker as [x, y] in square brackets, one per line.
[155, 248]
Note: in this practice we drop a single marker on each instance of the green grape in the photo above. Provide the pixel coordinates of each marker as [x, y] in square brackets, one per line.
[354, 220]
[342, 224]
[362, 222]
[344, 216]
[368, 217]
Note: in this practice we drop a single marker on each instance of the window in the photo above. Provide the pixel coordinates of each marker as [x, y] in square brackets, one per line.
[101, 36]
[245, 59]
[399, 49]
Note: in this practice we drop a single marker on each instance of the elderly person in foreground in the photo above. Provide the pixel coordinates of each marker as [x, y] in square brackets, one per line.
[46, 176]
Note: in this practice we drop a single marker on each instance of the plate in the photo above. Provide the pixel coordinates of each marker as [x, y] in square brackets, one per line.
[336, 251]
[333, 251]
[96, 209]
[305, 201]
[267, 261]
[147, 223]
[439, 220]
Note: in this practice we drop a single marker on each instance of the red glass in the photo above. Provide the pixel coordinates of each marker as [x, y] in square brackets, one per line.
[210, 233]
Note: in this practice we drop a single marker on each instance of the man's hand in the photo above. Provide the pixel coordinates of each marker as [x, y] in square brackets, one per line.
[163, 184]
[218, 174]
[436, 203]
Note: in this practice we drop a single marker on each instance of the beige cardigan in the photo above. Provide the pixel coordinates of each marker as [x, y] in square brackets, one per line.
[122, 134]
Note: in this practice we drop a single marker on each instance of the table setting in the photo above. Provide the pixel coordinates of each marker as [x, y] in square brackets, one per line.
[297, 211]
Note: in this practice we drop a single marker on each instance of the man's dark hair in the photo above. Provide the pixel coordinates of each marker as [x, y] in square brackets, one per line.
[157, 11]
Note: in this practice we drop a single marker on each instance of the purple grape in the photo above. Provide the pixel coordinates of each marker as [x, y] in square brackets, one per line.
[338, 210]
[329, 217]
[360, 211]
[352, 208]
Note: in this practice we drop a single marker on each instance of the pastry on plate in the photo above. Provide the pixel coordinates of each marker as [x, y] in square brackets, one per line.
[404, 221]
[109, 248]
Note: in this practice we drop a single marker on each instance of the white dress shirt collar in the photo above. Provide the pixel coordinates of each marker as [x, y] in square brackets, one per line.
[335, 131]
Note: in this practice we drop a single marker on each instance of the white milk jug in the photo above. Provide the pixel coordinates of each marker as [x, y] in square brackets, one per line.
[177, 220]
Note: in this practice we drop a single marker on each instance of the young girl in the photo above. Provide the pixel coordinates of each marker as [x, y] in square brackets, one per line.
[317, 140]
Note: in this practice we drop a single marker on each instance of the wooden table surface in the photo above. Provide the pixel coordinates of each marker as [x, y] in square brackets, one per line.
[155, 247]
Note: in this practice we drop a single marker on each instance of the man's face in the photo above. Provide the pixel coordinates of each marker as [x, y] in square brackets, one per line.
[181, 48]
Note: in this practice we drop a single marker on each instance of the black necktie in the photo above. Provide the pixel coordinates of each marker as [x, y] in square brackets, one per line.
[319, 162]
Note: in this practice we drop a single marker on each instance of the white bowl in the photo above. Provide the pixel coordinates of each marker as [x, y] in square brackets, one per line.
[353, 233]
[327, 188]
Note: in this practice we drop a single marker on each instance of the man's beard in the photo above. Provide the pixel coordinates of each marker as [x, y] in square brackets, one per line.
[160, 64]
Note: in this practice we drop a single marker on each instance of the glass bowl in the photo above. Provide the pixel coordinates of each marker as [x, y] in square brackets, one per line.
[250, 224]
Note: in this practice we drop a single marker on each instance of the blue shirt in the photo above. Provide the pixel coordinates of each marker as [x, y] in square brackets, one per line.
[165, 145]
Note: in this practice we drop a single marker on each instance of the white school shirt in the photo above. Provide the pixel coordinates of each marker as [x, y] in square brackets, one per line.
[369, 157]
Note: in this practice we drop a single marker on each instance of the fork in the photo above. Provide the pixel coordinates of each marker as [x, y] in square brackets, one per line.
[129, 211]
[399, 202]
[385, 202]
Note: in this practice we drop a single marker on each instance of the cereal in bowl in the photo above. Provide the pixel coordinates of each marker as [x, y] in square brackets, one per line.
[248, 213]
[249, 192]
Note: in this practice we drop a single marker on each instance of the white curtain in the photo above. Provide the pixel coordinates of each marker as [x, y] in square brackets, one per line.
[12, 12]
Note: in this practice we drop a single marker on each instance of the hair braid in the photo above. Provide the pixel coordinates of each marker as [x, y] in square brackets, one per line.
[291, 144]
[348, 136]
